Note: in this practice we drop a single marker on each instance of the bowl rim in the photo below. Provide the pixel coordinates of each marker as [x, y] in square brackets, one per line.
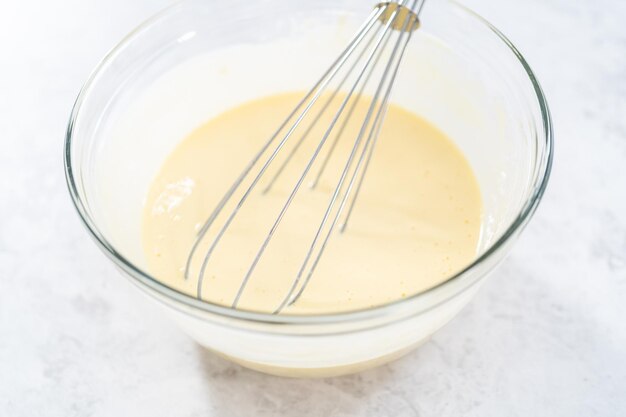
[142, 278]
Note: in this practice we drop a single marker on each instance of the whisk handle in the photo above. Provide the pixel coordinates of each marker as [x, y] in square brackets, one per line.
[408, 8]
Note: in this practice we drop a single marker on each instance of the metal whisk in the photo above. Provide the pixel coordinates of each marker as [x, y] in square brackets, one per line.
[368, 45]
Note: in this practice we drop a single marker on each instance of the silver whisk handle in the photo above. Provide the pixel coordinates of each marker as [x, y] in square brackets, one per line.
[407, 8]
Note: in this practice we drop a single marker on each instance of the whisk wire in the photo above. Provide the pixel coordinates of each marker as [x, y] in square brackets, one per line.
[348, 116]
[408, 33]
[309, 165]
[316, 91]
[287, 300]
[392, 16]
[295, 148]
[374, 131]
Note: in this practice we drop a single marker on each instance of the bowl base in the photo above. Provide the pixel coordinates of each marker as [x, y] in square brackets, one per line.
[321, 372]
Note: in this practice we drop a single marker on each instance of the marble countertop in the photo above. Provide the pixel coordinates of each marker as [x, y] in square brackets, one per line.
[545, 337]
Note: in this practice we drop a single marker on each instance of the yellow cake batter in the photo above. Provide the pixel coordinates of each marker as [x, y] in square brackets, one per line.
[416, 222]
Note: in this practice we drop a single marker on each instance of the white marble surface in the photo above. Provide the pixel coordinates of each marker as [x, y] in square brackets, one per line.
[546, 336]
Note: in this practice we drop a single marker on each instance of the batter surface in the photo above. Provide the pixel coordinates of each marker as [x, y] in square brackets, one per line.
[416, 222]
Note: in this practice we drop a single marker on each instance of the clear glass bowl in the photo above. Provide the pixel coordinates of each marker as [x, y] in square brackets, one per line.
[200, 57]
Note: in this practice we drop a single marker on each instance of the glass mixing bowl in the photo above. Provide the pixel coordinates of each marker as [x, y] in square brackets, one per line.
[198, 58]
